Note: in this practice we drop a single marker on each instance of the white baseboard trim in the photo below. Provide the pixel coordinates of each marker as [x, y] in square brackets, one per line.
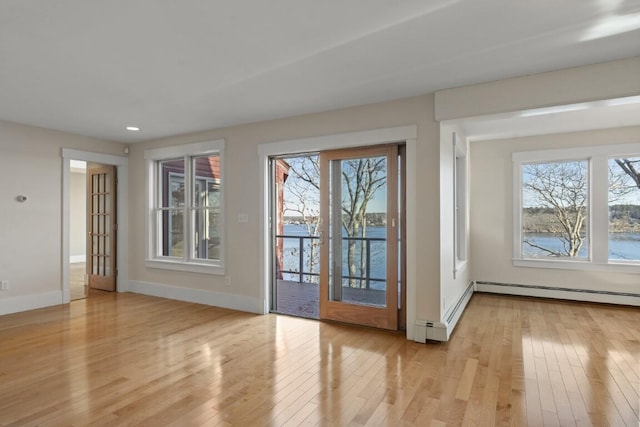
[77, 258]
[559, 293]
[199, 296]
[426, 330]
[30, 302]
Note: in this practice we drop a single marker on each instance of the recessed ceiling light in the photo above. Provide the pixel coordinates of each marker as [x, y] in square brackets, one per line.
[133, 128]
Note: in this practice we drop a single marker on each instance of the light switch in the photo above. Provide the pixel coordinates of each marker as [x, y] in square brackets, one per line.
[243, 217]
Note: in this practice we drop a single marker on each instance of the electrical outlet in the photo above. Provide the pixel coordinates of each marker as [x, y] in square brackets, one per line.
[4, 285]
[227, 281]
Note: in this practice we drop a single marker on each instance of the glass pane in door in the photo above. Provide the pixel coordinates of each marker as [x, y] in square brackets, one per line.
[295, 191]
[358, 230]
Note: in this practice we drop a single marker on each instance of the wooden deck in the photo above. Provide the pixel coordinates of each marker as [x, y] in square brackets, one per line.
[302, 299]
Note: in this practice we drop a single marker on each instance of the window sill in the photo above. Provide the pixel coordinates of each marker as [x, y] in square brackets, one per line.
[619, 267]
[191, 267]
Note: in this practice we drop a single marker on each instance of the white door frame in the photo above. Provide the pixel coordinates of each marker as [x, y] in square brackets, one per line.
[122, 255]
[407, 134]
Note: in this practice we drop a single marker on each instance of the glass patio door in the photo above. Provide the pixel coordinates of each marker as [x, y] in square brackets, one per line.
[359, 236]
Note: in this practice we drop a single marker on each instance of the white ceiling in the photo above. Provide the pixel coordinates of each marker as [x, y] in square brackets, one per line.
[175, 66]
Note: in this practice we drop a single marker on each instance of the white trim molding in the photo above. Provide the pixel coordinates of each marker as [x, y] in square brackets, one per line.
[597, 160]
[188, 262]
[122, 250]
[609, 297]
[198, 296]
[406, 134]
[338, 141]
[426, 330]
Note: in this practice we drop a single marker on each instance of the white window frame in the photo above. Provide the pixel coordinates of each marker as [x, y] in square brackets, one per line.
[598, 207]
[187, 262]
[460, 168]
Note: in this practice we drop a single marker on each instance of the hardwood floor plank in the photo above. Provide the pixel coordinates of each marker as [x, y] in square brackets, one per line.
[466, 381]
[126, 359]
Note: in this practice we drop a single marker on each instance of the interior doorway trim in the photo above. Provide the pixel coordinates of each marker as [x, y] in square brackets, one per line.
[121, 163]
[406, 134]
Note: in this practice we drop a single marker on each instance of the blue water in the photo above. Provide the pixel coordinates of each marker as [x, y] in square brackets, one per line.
[378, 261]
[622, 246]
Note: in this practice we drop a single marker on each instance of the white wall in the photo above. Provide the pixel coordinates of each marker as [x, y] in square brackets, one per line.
[78, 215]
[30, 254]
[491, 213]
[606, 80]
[490, 171]
[243, 187]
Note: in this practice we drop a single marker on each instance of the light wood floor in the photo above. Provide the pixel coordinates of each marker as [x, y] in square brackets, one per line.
[117, 359]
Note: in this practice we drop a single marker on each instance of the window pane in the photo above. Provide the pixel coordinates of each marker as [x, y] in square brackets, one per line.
[206, 238]
[172, 232]
[624, 209]
[172, 176]
[206, 170]
[554, 210]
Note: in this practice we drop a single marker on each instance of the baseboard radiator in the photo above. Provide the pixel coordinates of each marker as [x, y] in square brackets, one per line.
[426, 330]
[609, 297]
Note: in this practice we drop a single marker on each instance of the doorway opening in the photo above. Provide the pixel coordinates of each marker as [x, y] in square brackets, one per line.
[338, 235]
[295, 213]
[92, 228]
[118, 201]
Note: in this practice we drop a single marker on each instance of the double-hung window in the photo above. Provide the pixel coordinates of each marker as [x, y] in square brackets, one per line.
[186, 221]
[577, 208]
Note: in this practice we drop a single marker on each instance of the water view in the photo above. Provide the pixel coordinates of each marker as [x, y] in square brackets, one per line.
[291, 262]
[622, 246]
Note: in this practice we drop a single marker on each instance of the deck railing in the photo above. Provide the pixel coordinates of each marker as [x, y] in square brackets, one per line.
[301, 273]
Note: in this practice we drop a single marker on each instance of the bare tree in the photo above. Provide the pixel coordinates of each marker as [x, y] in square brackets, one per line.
[561, 188]
[362, 178]
[624, 194]
[303, 189]
[630, 167]
[555, 200]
